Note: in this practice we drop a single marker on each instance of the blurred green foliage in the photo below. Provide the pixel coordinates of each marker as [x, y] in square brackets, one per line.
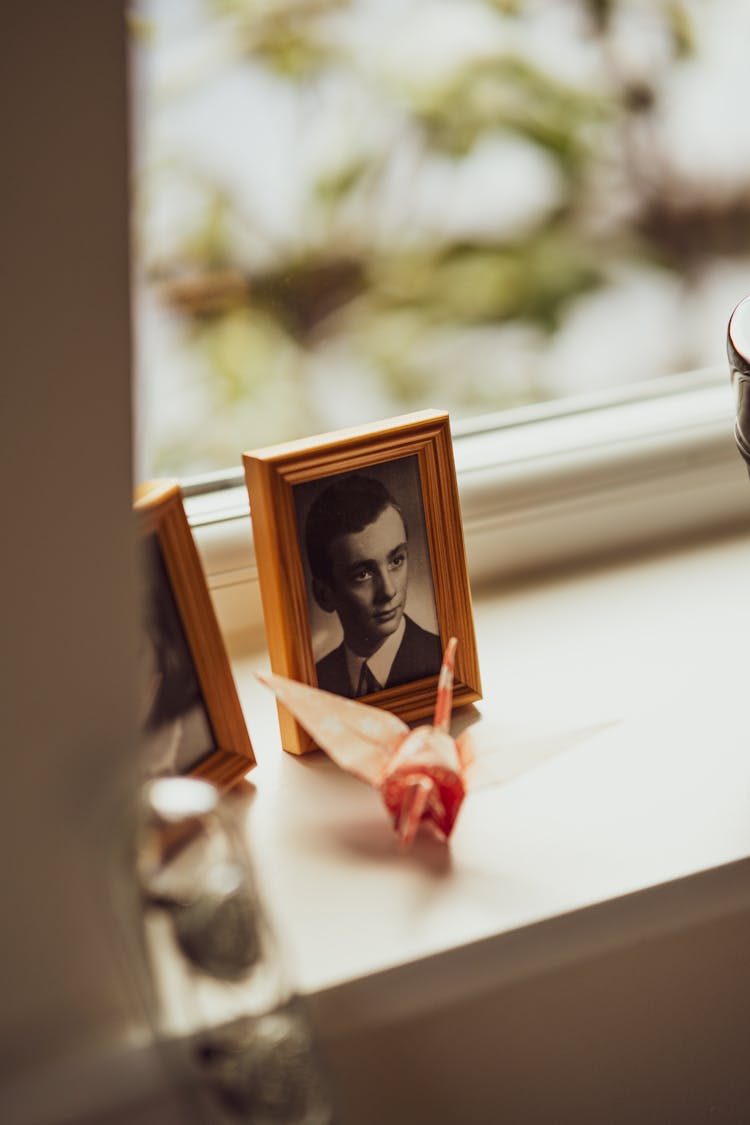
[509, 94]
[347, 293]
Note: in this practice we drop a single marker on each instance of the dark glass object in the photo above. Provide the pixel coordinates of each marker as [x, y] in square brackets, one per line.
[738, 351]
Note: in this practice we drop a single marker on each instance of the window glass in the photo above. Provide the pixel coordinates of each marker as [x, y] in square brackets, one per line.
[349, 209]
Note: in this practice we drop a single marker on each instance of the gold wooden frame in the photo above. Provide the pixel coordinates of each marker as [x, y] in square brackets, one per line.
[271, 475]
[159, 510]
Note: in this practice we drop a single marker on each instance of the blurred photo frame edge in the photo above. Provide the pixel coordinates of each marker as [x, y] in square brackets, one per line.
[159, 510]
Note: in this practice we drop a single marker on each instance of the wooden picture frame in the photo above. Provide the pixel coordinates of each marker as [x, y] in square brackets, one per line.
[191, 720]
[284, 482]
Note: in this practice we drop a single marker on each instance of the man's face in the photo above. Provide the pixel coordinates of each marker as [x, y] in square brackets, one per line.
[369, 581]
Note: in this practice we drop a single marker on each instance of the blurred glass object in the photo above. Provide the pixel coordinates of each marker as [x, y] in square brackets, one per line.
[346, 209]
[263, 1070]
[226, 1015]
[738, 350]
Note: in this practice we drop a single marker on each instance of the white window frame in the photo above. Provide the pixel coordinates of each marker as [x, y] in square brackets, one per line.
[540, 487]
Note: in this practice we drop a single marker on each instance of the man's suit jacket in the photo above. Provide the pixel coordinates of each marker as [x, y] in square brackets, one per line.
[419, 655]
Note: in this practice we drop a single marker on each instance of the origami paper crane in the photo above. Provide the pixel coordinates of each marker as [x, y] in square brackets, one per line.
[420, 773]
[423, 775]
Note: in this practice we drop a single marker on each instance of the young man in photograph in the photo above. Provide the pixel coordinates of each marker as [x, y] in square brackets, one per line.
[356, 541]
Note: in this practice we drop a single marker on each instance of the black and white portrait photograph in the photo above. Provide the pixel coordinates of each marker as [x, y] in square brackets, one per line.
[371, 598]
[176, 732]
[361, 565]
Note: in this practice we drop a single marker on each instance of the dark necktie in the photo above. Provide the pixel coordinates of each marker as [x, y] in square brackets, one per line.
[367, 682]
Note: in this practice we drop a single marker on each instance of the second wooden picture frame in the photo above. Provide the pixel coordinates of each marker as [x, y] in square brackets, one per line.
[191, 719]
[362, 566]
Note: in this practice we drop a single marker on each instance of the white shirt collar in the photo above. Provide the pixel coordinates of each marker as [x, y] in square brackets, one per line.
[380, 663]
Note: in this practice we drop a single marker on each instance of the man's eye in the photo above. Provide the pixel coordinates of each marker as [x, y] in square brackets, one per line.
[362, 575]
[398, 560]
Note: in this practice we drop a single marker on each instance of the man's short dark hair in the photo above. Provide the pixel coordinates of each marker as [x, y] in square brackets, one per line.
[346, 506]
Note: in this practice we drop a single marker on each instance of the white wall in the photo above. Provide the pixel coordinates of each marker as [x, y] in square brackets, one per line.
[71, 979]
[629, 1013]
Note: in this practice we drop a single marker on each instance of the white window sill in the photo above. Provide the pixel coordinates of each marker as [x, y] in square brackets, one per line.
[652, 650]
[628, 847]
